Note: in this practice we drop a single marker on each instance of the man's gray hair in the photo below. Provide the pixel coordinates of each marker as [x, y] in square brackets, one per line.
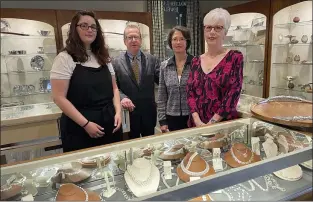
[216, 15]
[131, 26]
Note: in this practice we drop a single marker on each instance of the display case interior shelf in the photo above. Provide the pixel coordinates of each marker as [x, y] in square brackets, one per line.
[28, 48]
[247, 34]
[291, 60]
[113, 31]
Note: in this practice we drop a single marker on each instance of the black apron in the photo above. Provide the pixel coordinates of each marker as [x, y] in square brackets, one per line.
[91, 92]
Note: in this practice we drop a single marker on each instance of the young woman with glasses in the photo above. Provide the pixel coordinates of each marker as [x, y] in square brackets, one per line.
[215, 80]
[84, 87]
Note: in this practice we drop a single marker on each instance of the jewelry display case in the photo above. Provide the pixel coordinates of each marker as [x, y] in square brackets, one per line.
[291, 63]
[28, 48]
[243, 158]
[248, 34]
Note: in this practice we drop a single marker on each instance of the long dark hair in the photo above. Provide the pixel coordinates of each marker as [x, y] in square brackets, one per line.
[76, 48]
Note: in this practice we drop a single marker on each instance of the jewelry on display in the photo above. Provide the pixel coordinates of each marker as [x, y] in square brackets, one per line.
[237, 160]
[282, 144]
[164, 180]
[307, 164]
[173, 153]
[292, 173]
[142, 177]
[68, 186]
[218, 141]
[139, 182]
[125, 195]
[70, 175]
[193, 166]
[10, 190]
[194, 174]
[270, 148]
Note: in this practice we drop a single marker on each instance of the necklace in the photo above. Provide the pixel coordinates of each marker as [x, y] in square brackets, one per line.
[86, 195]
[172, 153]
[194, 174]
[244, 154]
[125, 195]
[237, 160]
[139, 182]
[164, 180]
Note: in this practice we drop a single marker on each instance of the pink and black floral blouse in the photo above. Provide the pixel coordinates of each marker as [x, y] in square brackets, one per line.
[215, 92]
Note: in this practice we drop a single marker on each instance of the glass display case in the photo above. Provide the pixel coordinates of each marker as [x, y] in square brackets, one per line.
[113, 31]
[28, 48]
[291, 59]
[244, 159]
[247, 34]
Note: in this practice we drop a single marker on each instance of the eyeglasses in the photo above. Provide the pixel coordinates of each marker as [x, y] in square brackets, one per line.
[85, 26]
[216, 28]
[177, 40]
[129, 38]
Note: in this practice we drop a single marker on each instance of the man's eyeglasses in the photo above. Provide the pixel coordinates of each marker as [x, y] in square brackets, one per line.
[129, 38]
[216, 28]
[85, 26]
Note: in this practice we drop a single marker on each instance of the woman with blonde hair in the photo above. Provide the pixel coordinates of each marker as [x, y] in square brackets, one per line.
[215, 79]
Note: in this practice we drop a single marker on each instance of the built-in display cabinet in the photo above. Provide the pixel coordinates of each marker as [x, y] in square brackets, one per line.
[291, 57]
[28, 48]
[275, 37]
[31, 39]
[248, 34]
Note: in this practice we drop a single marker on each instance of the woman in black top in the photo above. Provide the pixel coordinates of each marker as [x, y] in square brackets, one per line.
[84, 87]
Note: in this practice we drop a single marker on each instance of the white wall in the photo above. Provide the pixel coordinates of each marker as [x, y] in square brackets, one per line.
[117, 5]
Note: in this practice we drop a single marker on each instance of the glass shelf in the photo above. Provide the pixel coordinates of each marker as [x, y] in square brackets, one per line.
[251, 84]
[26, 37]
[288, 25]
[29, 54]
[256, 61]
[29, 94]
[244, 45]
[285, 63]
[25, 72]
[288, 89]
[297, 44]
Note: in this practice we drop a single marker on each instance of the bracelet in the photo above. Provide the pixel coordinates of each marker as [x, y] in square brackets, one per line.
[85, 124]
[213, 120]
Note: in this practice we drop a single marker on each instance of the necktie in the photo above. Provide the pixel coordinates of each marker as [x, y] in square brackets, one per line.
[135, 67]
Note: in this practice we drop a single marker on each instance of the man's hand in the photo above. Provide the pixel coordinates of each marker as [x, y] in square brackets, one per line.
[127, 104]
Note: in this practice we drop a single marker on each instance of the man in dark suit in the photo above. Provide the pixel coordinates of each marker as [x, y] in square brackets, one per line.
[136, 72]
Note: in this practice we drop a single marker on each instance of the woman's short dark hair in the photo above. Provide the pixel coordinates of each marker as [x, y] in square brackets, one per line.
[76, 48]
[185, 32]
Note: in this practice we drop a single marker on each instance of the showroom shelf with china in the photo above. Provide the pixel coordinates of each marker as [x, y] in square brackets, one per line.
[291, 64]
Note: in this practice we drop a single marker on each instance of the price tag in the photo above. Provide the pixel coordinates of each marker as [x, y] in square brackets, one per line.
[194, 178]
[217, 164]
[255, 145]
[167, 167]
[29, 197]
[216, 153]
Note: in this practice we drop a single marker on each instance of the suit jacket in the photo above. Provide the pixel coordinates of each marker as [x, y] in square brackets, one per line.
[142, 95]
